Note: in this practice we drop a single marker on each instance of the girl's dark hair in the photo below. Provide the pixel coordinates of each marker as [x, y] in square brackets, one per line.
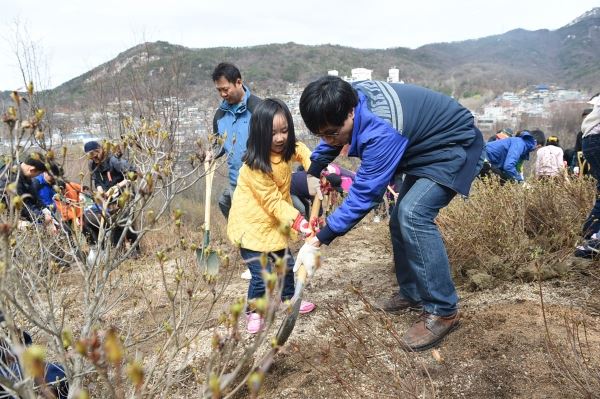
[327, 102]
[260, 137]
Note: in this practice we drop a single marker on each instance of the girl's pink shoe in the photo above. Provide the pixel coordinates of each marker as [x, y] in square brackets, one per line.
[307, 307]
[255, 323]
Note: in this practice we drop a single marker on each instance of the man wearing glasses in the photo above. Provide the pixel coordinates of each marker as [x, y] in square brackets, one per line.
[425, 143]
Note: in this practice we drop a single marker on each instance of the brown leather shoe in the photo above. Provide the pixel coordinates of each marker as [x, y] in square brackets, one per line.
[397, 304]
[429, 330]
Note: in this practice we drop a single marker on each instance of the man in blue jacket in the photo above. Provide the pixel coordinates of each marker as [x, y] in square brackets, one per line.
[231, 122]
[428, 145]
[504, 156]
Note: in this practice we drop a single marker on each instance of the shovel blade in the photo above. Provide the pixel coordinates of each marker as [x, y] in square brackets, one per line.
[287, 326]
[208, 261]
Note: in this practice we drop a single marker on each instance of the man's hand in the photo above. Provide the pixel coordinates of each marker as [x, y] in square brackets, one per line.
[314, 186]
[209, 156]
[309, 256]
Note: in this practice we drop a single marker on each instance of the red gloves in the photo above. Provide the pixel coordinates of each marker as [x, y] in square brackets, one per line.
[305, 227]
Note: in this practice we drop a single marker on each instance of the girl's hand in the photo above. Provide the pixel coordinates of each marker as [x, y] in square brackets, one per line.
[303, 226]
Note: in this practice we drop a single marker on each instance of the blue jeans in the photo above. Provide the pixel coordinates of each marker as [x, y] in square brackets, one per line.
[591, 152]
[256, 289]
[420, 258]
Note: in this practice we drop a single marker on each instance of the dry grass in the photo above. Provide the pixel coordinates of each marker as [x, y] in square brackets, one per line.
[499, 231]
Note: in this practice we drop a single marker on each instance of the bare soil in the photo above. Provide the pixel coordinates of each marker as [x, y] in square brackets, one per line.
[500, 349]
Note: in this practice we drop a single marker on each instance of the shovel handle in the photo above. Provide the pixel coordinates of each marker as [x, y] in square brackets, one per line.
[314, 212]
[209, 170]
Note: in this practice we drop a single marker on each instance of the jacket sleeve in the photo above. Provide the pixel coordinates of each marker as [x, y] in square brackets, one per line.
[538, 164]
[322, 156]
[559, 159]
[380, 159]
[267, 194]
[121, 165]
[302, 155]
[217, 149]
[515, 152]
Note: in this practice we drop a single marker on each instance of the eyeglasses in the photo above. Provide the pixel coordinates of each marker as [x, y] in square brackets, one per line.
[329, 133]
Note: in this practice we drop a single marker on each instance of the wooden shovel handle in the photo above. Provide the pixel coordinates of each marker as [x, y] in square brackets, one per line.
[314, 213]
[209, 169]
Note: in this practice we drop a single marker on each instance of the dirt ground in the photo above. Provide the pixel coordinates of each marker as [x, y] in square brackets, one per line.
[344, 349]
[499, 350]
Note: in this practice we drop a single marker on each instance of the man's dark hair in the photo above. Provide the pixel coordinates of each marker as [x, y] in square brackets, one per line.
[260, 136]
[228, 71]
[37, 160]
[327, 102]
[539, 136]
[56, 170]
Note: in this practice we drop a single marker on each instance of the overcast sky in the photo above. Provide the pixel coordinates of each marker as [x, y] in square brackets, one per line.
[74, 36]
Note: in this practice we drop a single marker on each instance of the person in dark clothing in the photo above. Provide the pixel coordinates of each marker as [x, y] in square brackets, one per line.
[33, 209]
[301, 194]
[579, 164]
[54, 381]
[106, 169]
[590, 126]
[428, 144]
[108, 175]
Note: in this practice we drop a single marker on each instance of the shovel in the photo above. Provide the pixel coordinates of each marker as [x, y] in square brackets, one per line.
[287, 326]
[206, 257]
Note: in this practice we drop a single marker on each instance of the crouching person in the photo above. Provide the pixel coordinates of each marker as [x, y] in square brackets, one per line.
[108, 175]
[399, 130]
[52, 385]
[32, 209]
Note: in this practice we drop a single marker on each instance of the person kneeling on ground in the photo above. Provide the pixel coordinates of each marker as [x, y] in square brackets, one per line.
[108, 175]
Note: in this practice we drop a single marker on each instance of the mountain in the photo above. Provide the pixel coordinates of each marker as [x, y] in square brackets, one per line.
[567, 56]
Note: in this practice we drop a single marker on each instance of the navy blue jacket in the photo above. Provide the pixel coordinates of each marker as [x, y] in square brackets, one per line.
[400, 128]
[505, 154]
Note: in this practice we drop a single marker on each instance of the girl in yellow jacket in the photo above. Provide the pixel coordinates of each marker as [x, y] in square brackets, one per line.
[262, 204]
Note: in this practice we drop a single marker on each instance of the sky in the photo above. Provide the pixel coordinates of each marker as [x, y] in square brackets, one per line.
[70, 37]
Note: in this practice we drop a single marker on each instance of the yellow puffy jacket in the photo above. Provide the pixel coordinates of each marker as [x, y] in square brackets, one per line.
[262, 203]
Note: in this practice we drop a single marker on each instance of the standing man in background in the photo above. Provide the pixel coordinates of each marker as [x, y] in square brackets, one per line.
[231, 122]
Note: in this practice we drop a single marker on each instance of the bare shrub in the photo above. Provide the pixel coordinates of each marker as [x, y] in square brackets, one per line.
[500, 229]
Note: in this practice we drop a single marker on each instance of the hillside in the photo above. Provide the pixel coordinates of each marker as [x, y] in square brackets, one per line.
[567, 56]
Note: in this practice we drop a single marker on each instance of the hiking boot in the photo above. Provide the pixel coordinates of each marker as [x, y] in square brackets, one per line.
[256, 323]
[429, 330]
[397, 304]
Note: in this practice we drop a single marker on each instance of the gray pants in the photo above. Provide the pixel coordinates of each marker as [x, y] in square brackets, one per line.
[225, 201]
